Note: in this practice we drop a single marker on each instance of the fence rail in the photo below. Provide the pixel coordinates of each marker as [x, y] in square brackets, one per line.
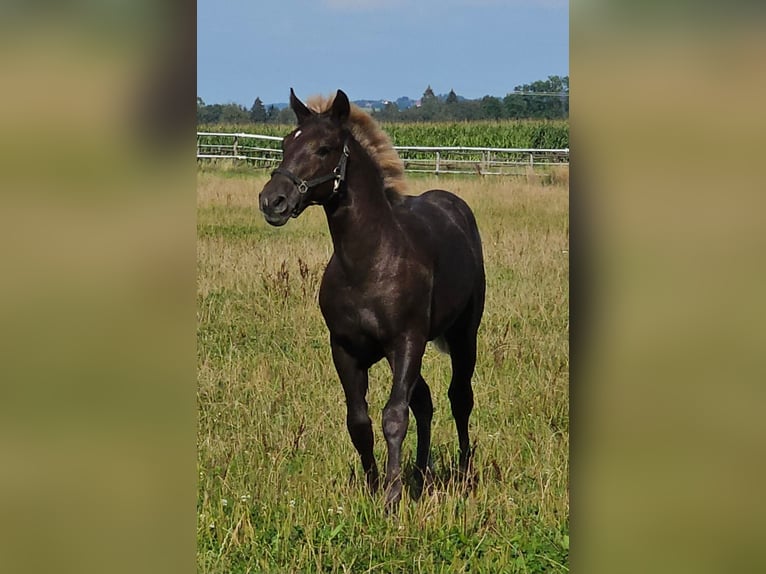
[265, 151]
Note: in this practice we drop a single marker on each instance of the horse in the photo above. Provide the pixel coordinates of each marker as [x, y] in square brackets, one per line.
[405, 270]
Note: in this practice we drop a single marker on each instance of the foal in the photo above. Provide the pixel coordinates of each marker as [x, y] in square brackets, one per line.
[405, 270]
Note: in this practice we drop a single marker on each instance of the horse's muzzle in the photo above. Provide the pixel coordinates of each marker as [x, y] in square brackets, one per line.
[275, 205]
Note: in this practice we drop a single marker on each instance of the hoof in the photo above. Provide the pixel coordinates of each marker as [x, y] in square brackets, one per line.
[423, 482]
[393, 496]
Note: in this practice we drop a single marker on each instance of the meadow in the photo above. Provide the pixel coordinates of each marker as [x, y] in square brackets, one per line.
[280, 486]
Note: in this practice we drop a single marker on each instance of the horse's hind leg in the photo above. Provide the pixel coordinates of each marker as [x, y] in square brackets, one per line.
[462, 347]
[423, 410]
[354, 381]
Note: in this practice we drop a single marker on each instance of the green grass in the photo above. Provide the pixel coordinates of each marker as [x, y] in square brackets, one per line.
[279, 480]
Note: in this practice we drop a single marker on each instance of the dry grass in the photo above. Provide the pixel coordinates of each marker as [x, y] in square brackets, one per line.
[274, 456]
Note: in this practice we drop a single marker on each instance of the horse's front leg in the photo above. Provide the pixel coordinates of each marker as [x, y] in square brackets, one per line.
[405, 360]
[354, 380]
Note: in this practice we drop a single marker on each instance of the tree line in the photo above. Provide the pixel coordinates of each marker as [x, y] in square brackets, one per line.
[542, 99]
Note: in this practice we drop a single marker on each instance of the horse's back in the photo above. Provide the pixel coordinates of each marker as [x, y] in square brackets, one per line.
[444, 223]
[447, 220]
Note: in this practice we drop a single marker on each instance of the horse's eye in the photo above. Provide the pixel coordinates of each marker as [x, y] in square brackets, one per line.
[322, 151]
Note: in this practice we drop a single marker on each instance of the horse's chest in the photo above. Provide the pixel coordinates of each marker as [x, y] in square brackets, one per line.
[351, 315]
[365, 317]
[376, 309]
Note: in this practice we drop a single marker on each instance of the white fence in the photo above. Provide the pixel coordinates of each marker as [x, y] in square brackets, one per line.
[265, 152]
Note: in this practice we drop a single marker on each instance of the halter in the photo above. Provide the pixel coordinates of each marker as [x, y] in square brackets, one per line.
[338, 174]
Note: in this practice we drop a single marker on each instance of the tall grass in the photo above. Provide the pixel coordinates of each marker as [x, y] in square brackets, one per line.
[280, 486]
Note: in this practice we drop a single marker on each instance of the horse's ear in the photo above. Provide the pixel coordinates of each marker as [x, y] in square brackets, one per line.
[340, 107]
[300, 109]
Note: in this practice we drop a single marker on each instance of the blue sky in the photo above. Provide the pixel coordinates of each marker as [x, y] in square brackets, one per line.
[376, 49]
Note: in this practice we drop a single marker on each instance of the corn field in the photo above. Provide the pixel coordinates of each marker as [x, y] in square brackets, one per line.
[547, 134]
[513, 134]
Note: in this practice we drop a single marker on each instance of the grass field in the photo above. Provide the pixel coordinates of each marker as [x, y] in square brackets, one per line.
[280, 486]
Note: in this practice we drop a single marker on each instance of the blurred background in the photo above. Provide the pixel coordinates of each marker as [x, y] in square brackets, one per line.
[97, 232]
[97, 290]
[668, 318]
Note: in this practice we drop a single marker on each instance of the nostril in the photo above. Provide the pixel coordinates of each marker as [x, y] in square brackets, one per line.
[279, 204]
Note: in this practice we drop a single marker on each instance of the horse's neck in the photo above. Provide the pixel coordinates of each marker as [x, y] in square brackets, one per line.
[362, 223]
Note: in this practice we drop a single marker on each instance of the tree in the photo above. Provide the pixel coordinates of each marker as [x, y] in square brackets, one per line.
[286, 116]
[234, 114]
[547, 98]
[491, 108]
[552, 101]
[257, 111]
[209, 114]
[390, 112]
[514, 106]
[403, 103]
[428, 107]
[272, 114]
[466, 110]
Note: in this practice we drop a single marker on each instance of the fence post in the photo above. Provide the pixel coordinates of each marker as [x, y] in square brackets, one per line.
[438, 162]
[234, 147]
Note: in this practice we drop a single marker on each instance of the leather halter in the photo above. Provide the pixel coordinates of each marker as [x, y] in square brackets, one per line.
[338, 174]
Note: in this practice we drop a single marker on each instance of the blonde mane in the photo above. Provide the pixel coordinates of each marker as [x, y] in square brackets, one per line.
[374, 140]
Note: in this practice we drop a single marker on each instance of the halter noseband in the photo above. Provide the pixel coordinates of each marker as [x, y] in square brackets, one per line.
[338, 174]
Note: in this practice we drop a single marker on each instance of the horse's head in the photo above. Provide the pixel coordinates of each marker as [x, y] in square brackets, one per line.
[313, 161]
